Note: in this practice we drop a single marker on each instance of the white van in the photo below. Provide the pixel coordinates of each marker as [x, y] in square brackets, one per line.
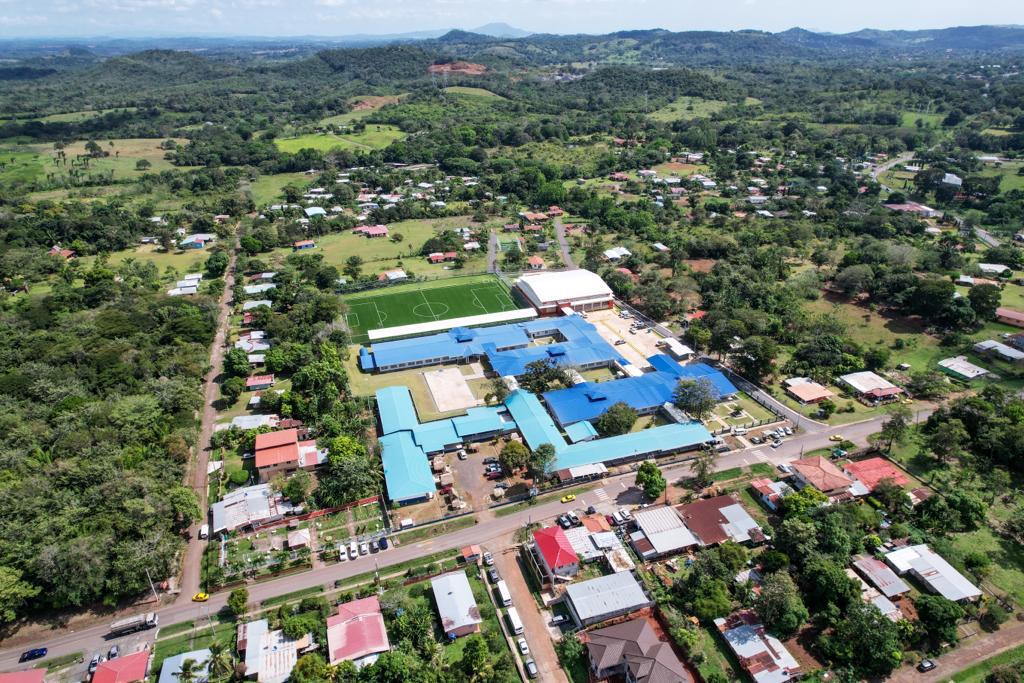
[506, 597]
[204, 531]
[514, 622]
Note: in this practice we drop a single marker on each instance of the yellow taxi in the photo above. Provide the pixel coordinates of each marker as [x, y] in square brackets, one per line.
[200, 597]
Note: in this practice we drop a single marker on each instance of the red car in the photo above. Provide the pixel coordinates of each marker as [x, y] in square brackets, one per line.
[497, 474]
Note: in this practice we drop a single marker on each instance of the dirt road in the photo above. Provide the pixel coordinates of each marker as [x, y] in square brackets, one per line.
[190, 573]
[978, 649]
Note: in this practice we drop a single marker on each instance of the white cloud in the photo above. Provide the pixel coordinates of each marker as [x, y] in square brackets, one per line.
[23, 20]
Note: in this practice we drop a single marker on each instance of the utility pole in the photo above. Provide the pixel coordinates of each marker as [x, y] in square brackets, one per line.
[156, 598]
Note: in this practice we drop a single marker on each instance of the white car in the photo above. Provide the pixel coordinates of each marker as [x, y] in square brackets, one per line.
[523, 647]
[488, 559]
[364, 548]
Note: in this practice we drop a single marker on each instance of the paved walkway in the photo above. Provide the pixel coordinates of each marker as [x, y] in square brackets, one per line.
[563, 244]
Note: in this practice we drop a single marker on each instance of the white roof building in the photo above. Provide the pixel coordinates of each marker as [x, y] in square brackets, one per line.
[250, 305]
[1000, 349]
[246, 507]
[605, 597]
[867, 382]
[579, 289]
[664, 530]
[253, 421]
[616, 253]
[259, 289]
[455, 603]
[993, 268]
[315, 211]
[182, 291]
[269, 656]
[962, 368]
[763, 656]
[932, 570]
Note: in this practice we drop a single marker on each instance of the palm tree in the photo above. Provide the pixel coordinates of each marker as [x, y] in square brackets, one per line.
[222, 663]
[189, 670]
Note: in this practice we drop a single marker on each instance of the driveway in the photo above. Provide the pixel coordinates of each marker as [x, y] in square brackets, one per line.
[534, 624]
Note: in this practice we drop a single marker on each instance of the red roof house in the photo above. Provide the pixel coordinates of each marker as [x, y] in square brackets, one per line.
[259, 382]
[282, 451]
[126, 669]
[535, 262]
[372, 230]
[555, 211]
[873, 471]
[356, 633]
[820, 473]
[556, 558]
[303, 244]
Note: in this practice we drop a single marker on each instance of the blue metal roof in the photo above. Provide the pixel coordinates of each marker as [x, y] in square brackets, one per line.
[481, 421]
[406, 471]
[580, 431]
[436, 436]
[533, 421]
[366, 361]
[668, 438]
[456, 344]
[719, 381]
[396, 410]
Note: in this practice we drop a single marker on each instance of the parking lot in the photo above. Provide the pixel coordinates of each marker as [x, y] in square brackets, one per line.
[614, 328]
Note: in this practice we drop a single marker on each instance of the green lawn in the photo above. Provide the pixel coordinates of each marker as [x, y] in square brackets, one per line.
[376, 136]
[1007, 570]
[978, 673]
[1008, 171]
[474, 92]
[268, 188]
[909, 119]
[685, 108]
[406, 305]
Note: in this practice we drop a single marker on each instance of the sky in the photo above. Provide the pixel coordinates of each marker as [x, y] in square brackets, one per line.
[146, 18]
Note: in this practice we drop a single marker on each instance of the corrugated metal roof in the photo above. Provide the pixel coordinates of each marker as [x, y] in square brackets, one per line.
[606, 595]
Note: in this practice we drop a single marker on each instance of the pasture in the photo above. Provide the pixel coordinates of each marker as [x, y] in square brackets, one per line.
[426, 302]
[374, 137]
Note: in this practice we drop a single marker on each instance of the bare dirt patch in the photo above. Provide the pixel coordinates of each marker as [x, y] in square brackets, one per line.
[700, 265]
[464, 68]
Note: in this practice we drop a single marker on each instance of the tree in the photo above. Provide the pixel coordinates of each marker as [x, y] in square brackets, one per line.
[651, 480]
[826, 584]
[803, 501]
[985, 300]
[756, 357]
[696, 397]
[541, 460]
[826, 408]
[231, 389]
[514, 456]
[298, 486]
[353, 266]
[542, 374]
[14, 593]
[779, 605]
[189, 670]
[939, 617]
[949, 440]
[855, 279]
[310, 668]
[238, 601]
[897, 427]
[1014, 525]
[236, 363]
[618, 419]
[350, 473]
[143, 165]
[702, 467]
[710, 600]
[865, 640]
[216, 263]
[498, 391]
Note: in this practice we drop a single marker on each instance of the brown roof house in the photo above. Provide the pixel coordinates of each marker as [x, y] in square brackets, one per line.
[720, 519]
[634, 650]
[820, 473]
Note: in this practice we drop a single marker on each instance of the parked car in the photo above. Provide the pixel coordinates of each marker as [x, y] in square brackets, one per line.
[363, 548]
[489, 559]
[784, 468]
[564, 522]
[756, 440]
[926, 665]
[462, 454]
[501, 485]
[114, 652]
[788, 430]
[373, 546]
[739, 431]
[353, 550]
[836, 437]
[620, 342]
[612, 520]
[524, 648]
[559, 619]
[591, 510]
[383, 542]
[625, 513]
[94, 663]
[776, 443]
[493, 573]
[573, 517]
[36, 653]
[496, 474]
[531, 668]
[490, 461]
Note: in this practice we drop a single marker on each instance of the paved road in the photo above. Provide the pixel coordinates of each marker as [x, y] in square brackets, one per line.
[984, 646]
[492, 252]
[563, 244]
[882, 168]
[190, 573]
[618, 490]
[988, 238]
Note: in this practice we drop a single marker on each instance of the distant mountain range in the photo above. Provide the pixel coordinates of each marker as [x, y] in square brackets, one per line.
[498, 42]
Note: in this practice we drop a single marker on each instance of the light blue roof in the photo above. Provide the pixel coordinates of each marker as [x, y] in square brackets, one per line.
[647, 392]
[406, 472]
[172, 665]
[570, 354]
[459, 343]
[396, 410]
[482, 420]
[580, 431]
[436, 436]
[533, 421]
[667, 438]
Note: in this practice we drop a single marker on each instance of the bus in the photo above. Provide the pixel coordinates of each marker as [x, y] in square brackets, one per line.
[506, 597]
[514, 622]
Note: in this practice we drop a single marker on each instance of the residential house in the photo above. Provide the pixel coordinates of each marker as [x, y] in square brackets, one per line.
[438, 257]
[460, 615]
[762, 656]
[303, 244]
[994, 269]
[660, 532]
[616, 253]
[298, 538]
[961, 368]
[873, 471]
[878, 574]
[57, 250]
[282, 452]
[25, 676]
[248, 507]
[605, 597]
[554, 554]
[555, 212]
[125, 669]
[253, 305]
[372, 231]
[259, 382]
[535, 262]
[171, 667]
[268, 656]
[312, 211]
[356, 633]
[998, 350]
[819, 472]
[872, 388]
[720, 519]
[1008, 316]
[806, 390]
[932, 570]
[770, 493]
[634, 650]
[394, 275]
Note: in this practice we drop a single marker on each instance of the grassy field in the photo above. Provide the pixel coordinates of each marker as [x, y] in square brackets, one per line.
[1009, 173]
[76, 116]
[977, 673]
[267, 189]
[374, 137]
[686, 108]
[183, 261]
[909, 119]
[363, 106]
[474, 92]
[413, 304]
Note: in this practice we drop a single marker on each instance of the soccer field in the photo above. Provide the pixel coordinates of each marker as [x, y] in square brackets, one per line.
[419, 303]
